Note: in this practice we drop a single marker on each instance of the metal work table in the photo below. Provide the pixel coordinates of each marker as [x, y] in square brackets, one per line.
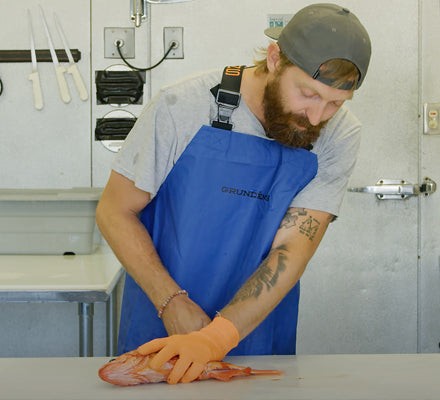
[315, 377]
[82, 279]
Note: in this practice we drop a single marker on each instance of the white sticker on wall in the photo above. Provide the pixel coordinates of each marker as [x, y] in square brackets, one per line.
[281, 20]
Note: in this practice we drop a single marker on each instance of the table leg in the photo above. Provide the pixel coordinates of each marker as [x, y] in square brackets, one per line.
[85, 312]
[112, 332]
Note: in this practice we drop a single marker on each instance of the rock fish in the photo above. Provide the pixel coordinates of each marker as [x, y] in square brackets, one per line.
[132, 369]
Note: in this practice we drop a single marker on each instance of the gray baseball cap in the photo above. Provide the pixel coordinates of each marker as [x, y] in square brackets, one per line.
[322, 32]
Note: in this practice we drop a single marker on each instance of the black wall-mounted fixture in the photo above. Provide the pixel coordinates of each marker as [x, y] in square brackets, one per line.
[119, 87]
[15, 56]
[113, 128]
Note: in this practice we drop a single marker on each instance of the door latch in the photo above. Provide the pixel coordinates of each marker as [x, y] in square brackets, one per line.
[391, 189]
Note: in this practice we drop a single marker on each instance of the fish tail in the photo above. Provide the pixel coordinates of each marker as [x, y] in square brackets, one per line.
[266, 372]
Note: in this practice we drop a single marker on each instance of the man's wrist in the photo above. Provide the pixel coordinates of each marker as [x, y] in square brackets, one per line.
[168, 300]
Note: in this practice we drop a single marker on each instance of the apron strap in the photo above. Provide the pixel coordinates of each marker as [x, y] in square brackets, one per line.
[227, 96]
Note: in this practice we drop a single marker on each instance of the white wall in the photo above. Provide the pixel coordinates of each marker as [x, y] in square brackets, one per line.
[51, 147]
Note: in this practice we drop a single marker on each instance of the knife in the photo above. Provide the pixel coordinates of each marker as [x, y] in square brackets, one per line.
[59, 69]
[34, 76]
[73, 68]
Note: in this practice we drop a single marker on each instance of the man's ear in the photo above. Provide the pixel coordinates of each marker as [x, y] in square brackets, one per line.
[273, 57]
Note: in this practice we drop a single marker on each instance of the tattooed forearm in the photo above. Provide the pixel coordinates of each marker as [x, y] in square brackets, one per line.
[264, 276]
[291, 217]
[309, 227]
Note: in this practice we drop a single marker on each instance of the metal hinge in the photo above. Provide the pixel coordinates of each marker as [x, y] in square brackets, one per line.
[390, 189]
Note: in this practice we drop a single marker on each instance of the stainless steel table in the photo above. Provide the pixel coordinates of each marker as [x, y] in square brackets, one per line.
[315, 377]
[84, 279]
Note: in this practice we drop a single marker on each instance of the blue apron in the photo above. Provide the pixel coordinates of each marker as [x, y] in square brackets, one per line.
[212, 222]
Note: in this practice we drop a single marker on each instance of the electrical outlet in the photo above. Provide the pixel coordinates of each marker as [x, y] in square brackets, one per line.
[431, 119]
[125, 36]
[173, 34]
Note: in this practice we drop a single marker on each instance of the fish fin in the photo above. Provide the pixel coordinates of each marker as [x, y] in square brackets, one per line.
[226, 376]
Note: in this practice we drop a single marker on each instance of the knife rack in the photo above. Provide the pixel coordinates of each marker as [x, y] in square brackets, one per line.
[17, 56]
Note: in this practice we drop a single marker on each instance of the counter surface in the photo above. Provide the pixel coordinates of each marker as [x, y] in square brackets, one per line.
[314, 377]
[96, 271]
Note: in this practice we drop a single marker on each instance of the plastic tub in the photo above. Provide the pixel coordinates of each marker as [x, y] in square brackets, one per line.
[48, 221]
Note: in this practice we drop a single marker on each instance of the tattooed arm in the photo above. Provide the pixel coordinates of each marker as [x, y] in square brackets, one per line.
[296, 241]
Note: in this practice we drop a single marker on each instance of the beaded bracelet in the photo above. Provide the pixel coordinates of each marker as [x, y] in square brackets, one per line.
[166, 302]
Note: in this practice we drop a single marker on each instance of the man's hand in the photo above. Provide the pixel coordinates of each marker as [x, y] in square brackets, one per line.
[183, 316]
[193, 350]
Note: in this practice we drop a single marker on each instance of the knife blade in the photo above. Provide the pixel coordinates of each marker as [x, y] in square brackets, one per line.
[59, 69]
[73, 68]
[34, 76]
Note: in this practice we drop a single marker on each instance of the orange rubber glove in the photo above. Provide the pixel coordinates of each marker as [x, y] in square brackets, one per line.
[194, 349]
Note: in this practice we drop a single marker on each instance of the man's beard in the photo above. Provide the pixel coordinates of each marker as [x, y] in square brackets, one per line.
[283, 126]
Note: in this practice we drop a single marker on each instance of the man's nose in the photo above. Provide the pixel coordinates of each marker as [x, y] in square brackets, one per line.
[315, 113]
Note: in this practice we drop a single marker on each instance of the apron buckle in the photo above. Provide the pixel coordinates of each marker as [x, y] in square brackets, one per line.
[227, 101]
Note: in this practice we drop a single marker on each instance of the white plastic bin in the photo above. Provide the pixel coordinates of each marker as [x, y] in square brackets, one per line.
[48, 221]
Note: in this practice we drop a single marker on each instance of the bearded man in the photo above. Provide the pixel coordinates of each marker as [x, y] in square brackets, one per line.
[224, 189]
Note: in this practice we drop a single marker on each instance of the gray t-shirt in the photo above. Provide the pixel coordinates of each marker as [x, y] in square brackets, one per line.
[172, 118]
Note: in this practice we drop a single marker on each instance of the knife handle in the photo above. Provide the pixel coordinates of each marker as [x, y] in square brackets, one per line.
[62, 84]
[36, 89]
[79, 83]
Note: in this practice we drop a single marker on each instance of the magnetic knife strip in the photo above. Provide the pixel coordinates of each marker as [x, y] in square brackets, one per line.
[14, 56]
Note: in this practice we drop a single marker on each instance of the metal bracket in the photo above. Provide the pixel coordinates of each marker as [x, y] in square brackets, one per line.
[391, 189]
[138, 11]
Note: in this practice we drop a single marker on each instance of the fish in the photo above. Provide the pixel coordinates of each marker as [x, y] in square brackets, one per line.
[132, 368]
